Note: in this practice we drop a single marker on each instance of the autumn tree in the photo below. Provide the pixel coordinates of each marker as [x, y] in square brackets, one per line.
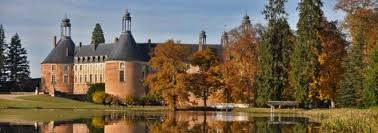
[361, 14]
[204, 82]
[333, 51]
[351, 85]
[305, 65]
[169, 62]
[275, 52]
[241, 54]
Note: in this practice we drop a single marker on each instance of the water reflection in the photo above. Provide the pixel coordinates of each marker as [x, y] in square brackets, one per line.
[170, 122]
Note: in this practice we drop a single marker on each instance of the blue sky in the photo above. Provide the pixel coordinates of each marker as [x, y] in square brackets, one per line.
[37, 21]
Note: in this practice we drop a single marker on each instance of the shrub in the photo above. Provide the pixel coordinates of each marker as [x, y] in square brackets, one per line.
[93, 88]
[98, 97]
[143, 101]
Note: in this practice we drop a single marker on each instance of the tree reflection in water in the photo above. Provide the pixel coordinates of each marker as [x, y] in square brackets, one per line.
[171, 122]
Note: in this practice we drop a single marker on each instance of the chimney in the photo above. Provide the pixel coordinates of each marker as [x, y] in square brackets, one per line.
[80, 44]
[54, 42]
[149, 43]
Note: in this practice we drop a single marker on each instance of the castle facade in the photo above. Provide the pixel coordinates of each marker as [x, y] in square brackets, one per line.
[121, 65]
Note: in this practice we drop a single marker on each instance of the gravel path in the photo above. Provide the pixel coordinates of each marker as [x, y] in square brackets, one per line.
[13, 96]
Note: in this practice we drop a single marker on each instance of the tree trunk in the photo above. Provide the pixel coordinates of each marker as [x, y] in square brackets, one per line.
[174, 103]
[332, 104]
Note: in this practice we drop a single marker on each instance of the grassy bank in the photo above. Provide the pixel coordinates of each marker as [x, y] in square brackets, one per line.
[333, 120]
[47, 102]
[346, 119]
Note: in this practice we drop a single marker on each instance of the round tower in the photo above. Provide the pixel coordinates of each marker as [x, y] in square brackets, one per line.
[124, 73]
[57, 68]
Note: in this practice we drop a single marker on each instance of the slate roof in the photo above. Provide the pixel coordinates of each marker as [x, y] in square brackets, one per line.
[125, 49]
[58, 54]
[89, 50]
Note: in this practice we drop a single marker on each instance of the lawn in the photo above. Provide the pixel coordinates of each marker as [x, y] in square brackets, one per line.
[333, 120]
[48, 102]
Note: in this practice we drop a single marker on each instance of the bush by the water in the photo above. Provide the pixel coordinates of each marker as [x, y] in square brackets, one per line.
[98, 97]
[100, 87]
[148, 100]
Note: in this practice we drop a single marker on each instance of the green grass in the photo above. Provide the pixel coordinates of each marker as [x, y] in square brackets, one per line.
[47, 102]
[333, 120]
[346, 119]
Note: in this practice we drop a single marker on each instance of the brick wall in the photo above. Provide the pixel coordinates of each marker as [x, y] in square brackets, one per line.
[59, 72]
[133, 84]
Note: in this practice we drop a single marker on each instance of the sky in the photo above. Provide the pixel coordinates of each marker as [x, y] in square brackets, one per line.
[37, 21]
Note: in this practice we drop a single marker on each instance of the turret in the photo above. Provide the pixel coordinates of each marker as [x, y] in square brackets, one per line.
[246, 23]
[202, 40]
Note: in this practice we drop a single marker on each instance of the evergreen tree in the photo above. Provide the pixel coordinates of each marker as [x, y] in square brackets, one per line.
[305, 73]
[17, 61]
[98, 35]
[3, 47]
[352, 84]
[370, 95]
[274, 55]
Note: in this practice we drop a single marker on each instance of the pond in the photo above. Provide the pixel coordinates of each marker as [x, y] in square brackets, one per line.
[164, 122]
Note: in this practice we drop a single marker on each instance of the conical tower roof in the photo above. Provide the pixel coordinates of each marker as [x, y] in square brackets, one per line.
[63, 53]
[126, 49]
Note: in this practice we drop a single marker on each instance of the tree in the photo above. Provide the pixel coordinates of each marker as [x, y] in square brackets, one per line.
[204, 82]
[17, 62]
[97, 87]
[370, 92]
[305, 65]
[361, 14]
[3, 47]
[333, 51]
[351, 85]
[275, 53]
[168, 60]
[241, 55]
[98, 35]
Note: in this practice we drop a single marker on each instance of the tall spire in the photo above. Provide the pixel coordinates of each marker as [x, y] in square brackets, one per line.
[65, 27]
[126, 22]
[202, 40]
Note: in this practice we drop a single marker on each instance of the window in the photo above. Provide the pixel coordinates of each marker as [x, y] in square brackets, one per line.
[52, 67]
[90, 77]
[122, 65]
[65, 78]
[75, 68]
[66, 67]
[122, 76]
[81, 67]
[81, 79]
[85, 78]
[100, 77]
[95, 78]
[53, 81]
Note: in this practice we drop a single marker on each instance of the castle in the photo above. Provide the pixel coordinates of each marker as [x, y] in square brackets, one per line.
[121, 65]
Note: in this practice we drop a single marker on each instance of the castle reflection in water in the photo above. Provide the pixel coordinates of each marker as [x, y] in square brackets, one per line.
[169, 122]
